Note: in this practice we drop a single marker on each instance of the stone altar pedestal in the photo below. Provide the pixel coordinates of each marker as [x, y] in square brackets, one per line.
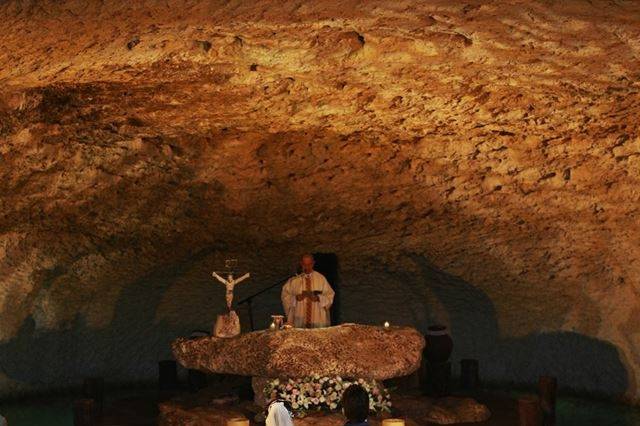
[349, 351]
[227, 325]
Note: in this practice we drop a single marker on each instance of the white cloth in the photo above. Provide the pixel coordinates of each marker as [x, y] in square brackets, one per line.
[296, 311]
[278, 415]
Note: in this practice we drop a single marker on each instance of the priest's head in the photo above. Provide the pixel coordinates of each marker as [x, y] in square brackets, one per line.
[306, 263]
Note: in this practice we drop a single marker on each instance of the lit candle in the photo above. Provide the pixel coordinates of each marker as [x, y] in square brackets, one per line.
[386, 324]
[272, 326]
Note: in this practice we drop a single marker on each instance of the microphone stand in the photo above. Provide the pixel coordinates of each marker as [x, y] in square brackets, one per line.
[248, 300]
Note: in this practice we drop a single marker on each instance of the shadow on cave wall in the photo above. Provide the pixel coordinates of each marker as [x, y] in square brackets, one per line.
[580, 363]
[129, 348]
[126, 351]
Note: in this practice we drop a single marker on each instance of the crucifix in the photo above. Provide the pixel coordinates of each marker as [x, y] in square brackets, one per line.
[230, 283]
[228, 325]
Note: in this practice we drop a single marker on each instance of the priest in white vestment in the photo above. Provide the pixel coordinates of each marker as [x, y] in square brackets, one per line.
[307, 297]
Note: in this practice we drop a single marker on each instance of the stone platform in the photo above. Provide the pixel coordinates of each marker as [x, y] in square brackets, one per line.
[349, 350]
[201, 410]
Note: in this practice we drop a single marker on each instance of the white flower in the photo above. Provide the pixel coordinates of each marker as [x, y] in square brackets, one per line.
[312, 391]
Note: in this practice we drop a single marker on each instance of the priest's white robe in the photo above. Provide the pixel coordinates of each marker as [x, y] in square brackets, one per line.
[296, 310]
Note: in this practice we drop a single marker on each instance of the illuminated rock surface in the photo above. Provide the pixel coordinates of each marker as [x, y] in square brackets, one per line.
[354, 351]
[471, 164]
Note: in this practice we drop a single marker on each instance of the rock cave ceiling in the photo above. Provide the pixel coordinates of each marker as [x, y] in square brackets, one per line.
[497, 141]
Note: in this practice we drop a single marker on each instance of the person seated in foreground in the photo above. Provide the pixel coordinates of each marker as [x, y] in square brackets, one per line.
[279, 413]
[355, 405]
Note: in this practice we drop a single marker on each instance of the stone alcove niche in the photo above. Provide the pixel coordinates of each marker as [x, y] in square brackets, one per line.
[471, 164]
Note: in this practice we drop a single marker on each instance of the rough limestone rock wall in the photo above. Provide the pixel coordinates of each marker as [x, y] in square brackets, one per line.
[473, 163]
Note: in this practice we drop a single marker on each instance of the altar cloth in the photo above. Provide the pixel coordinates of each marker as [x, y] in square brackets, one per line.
[357, 351]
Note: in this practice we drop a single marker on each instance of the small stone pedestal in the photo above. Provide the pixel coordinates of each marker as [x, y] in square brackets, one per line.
[547, 389]
[93, 388]
[227, 325]
[437, 379]
[469, 375]
[85, 412]
[529, 412]
[258, 384]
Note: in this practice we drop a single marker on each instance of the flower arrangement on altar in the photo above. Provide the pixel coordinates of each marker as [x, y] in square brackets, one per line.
[316, 393]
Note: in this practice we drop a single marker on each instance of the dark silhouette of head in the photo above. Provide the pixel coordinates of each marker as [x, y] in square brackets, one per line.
[355, 404]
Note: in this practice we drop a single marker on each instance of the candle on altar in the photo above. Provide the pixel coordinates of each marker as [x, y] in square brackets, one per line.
[238, 421]
[386, 324]
[393, 422]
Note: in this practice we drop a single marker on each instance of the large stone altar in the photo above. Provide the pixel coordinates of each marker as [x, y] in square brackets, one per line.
[358, 351]
[349, 350]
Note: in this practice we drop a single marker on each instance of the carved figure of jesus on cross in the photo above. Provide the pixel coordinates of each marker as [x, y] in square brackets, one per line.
[230, 283]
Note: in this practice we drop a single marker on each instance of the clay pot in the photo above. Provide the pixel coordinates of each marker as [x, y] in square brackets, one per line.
[439, 344]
